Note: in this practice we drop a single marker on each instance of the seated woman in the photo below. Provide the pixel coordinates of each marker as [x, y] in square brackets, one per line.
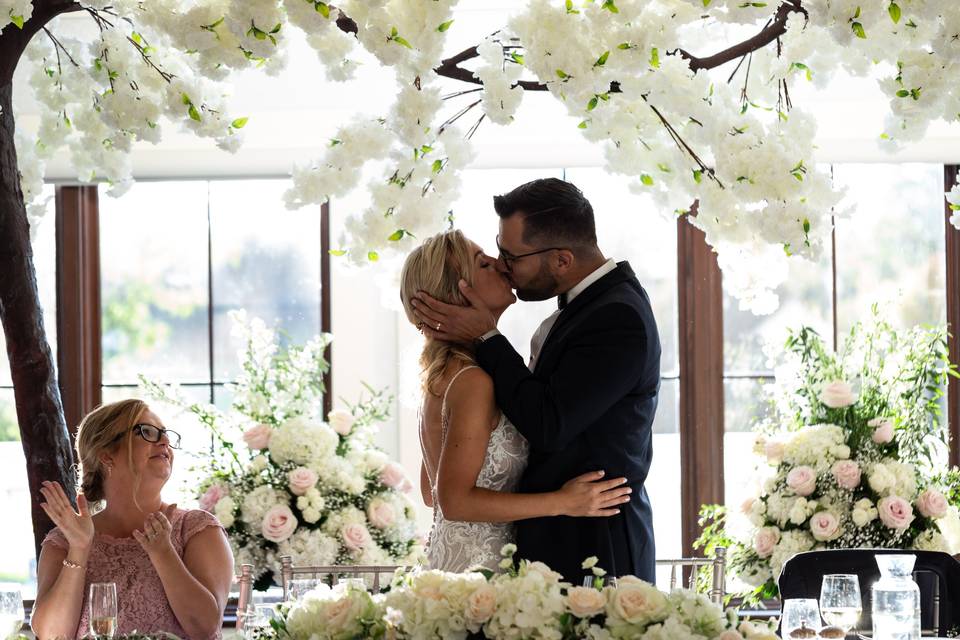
[172, 567]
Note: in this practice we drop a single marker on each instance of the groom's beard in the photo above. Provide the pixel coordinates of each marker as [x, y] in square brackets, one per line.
[540, 287]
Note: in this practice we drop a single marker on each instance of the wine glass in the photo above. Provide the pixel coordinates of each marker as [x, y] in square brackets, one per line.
[299, 588]
[799, 618]
[840, 603]
[11, 610]
[103, 609]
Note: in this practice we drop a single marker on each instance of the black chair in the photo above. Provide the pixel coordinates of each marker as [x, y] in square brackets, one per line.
[937, 575]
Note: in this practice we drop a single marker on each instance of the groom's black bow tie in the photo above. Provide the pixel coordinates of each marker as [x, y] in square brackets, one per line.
[561, 301]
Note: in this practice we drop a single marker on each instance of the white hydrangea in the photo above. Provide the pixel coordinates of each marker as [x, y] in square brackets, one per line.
[224, 511]
[303, 442]
[310, 547]
[257, 503]
[931, 540]
[791, 543]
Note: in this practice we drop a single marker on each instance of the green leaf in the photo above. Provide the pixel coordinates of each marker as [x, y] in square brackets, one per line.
[647, 180]
[915, 93]
[393, 32]
[239, 123]
[17, 20]
[397, 235]
[516, 57]
[858, 30]
[444, 26]
[277, 28]
[323, 9]
[592, 104]
[857, 14]
[803, 67]
[697, 175]
[663, 167]
[706, 3]
[194, 114]
[806, 225]
[337, 252]
[610, 6]
[402, 42]
[602, 60]
[894, 11]
[582, 125]
[373, 256]
[185, 99]
[437, 165]
[903, 93]
[655, 58]
[570, 8]
[562, 74]
[624, 46]
[136, 37]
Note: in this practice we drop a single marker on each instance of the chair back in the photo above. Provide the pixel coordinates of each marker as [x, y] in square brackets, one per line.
[937, 575]
[245, 582]
[374, 576]
[704, 574]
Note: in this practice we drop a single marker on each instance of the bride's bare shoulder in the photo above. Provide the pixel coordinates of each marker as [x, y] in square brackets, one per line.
[472, 389]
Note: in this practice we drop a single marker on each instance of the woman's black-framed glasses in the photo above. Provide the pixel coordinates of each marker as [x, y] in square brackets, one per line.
[153, 434]
[509, 258]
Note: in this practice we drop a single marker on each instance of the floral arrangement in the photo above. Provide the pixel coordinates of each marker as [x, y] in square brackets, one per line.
[288, 483]
[852, 455]
[528, 600]
[671, 122]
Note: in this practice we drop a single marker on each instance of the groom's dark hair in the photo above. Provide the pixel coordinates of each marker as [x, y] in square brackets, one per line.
[554, 213]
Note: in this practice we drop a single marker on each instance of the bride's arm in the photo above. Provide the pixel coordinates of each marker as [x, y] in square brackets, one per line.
[472, 415]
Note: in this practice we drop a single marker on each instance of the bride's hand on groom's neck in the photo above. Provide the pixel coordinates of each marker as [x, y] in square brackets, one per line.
[453, 323]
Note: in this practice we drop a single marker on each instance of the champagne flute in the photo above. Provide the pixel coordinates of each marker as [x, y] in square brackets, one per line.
[840, 603]
[103, 609]
[11, 610]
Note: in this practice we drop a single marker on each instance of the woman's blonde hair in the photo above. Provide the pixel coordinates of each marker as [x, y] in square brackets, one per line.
[436, 268]
[102, 429]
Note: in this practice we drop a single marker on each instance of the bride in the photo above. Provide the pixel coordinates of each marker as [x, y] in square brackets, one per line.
[473, 458]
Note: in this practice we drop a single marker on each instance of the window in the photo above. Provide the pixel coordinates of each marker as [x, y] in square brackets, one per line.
[17, 562]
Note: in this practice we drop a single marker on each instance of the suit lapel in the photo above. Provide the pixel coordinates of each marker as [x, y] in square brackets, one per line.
[623, 273]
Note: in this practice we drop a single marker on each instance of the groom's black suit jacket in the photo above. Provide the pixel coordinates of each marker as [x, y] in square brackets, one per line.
[588, 405]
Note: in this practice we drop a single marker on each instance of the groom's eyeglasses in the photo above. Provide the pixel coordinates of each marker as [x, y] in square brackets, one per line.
[509, 258]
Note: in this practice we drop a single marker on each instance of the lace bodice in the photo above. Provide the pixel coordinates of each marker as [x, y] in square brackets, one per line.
[457, 546]
[141, 601]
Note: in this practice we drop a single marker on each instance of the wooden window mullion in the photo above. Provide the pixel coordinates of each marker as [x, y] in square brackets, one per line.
[953, 316]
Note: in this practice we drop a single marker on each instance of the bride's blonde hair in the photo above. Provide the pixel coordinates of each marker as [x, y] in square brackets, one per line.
[436, 268]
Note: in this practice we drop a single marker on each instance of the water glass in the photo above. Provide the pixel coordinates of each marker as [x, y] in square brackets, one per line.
[840, 603]
[799, 618]
[299, 588]
[103, 609]
[11, 610]
[257, 618]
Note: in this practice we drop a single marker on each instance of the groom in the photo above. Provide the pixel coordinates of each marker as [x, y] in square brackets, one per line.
[587, 399]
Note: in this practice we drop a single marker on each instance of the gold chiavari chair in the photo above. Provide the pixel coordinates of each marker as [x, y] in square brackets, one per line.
[716, 585]
[374, 576]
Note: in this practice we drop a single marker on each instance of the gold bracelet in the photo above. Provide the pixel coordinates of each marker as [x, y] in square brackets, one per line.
[72, 565]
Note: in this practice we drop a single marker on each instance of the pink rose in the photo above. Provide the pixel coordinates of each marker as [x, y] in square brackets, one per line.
[301, 480]
[355, 537]
[341, 421]
[258, 437]
[381, 513]
[932, 504]
[824, 526]
[212, 496]
[837, 394]
[895, 512]
[765, 540]
[747, 507]
[392, 475]
[803, 480]
[279, 523]
[882, 430]
[847, 474]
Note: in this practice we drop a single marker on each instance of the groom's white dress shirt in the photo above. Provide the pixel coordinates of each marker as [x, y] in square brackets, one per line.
[540, 335]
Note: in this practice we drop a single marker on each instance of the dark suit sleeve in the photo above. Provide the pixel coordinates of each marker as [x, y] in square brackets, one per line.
[600, 364]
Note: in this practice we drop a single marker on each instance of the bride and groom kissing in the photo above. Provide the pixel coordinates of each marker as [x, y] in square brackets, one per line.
[551, 455]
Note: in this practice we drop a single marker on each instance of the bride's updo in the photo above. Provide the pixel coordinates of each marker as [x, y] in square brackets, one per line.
[436, 268]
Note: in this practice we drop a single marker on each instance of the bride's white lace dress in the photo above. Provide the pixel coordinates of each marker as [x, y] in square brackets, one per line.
[457, 546]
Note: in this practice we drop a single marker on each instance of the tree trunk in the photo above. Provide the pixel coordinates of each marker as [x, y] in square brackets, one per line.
[46, 443]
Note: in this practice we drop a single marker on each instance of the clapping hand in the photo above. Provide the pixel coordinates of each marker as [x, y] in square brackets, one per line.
[155, 537]
[76, 526]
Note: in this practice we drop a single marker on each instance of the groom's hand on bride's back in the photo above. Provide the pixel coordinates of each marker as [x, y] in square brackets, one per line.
[589, 496]
[450, 322]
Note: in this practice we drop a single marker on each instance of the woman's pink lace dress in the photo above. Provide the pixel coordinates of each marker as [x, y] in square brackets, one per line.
[141, 602]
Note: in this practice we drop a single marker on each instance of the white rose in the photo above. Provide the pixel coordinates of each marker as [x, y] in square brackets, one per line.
[881, 478]
[798, 512]
[932, 504]
[765, 541]
[638, 602]
[863, 512]
[585, 602]
[882, 430]
[824, 526]
[803, 480]
[279, 524]
[341, 421]
[224, 511]
[481, 604]
[837, 394]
